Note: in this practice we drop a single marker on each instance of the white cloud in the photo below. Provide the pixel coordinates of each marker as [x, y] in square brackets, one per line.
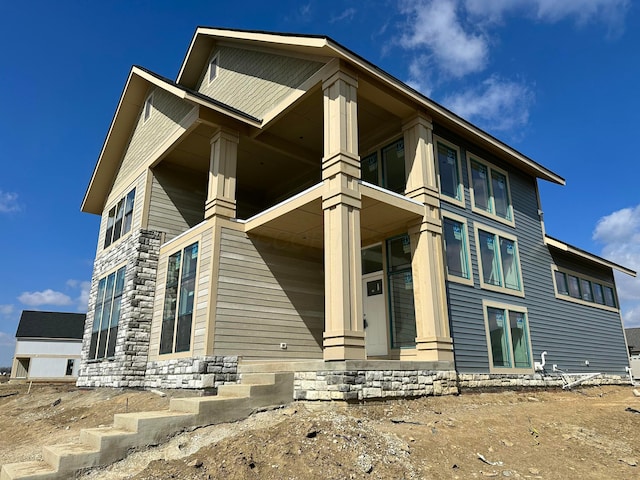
[620, 227]
[6, 309]
[435, 25]
[46, 297]
[496, 104]
[420, 75]
[348, 14]
[8, 202]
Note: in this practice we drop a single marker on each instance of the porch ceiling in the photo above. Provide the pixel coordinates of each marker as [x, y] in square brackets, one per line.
[299, 220]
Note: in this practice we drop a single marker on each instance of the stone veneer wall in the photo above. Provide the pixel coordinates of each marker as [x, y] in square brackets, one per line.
[196, 373]
[140, 250]
[486, 380]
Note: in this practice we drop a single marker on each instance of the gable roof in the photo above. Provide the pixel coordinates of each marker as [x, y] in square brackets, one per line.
[633, 339]
[321, 45]
[34, 324]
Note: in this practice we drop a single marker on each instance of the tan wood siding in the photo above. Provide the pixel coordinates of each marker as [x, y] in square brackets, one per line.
[255, 82]
[268, 294]
[177, 200]
[165, 118]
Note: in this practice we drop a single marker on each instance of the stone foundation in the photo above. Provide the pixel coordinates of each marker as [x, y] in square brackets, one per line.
[493, 380]
[194, 373]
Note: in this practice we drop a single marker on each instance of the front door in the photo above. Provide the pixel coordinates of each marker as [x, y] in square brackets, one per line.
[375, 318]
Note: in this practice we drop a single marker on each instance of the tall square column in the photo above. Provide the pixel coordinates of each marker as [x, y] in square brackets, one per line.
[221, 194]
[341, 203]
[433, 337]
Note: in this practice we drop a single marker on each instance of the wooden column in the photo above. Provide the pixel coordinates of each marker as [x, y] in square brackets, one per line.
[221, 195]
[341, 202]
[433, 340]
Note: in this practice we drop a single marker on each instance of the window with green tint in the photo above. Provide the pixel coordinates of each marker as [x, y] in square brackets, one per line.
[561, 283]
[179, 299]
[448, 170]
[393, 169]
[369, 169]
[499, 261]
[510, 268]
[401, 302]
[508, 338]
[371, 259]
[480, 181]
[490, 258]
[455, 245]
[500, 192]
[106, 316]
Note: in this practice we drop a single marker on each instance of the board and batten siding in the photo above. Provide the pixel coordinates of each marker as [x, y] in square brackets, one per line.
[569, 333]
[177, 200]
[205, 238]
[268, 294]
[167, 113]
[138, 206]
[255, 82]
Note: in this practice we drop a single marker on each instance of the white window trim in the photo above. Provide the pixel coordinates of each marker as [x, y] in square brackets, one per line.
[513, 308]
[454, 278]
[490, 167]
[147, 108]
[214, 61]
[495, 288]
[447, 198]
[579, 301]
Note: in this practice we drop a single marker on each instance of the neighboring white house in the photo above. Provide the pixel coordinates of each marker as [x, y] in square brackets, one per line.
[48, 346]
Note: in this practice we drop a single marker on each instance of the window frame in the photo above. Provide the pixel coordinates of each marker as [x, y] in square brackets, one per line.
[466, 244]
[460, 202]
[107, 323]
[213, 68]
[111, 236]
[498, 233]
[486, 304]
[592, 281]
[490, 169]
[147, 108]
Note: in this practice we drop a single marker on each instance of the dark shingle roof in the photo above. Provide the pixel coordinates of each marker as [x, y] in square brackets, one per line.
[35, 324]
[633, 339]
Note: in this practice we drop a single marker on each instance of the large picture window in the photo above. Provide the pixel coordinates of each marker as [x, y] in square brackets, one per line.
[585, 290]
[107, 315]
[490, 193]
[401, 304]
[456, 246]
[449, 173]
[498, 261]
[385, 167]
[507, 338]
[120, 218]
[179, 301]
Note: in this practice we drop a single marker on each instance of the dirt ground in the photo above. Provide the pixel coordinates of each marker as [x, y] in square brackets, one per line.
[585, 433]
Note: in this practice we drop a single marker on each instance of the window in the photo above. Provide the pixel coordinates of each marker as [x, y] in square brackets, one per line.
[490, 194]
[401, 305]
[456, 246]
[507, 338]
[148, 107]
[179, 301]
[213, 68]
[120, 219]
[69, 370]
[582, 289]
[449, 173]
[498, 262]
[386, 167]
[107, 315]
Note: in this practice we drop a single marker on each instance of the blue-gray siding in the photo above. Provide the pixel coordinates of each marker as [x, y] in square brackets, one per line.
[569, 332]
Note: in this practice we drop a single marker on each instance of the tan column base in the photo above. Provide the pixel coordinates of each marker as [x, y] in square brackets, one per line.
[344, 345]
[434, 349]
[220, 207]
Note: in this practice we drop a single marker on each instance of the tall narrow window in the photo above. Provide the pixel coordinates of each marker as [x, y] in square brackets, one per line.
[393, 170]
[401, 303]
[456, 248]
[148, 107]
[561, 283]
[448, 170]
[106, 316]
[369, 169]
[213, 68]
[490, 191]
[120, 218]
[499, 262]
[597, 293]
[508, 338]
[609, 297]
[179, 299]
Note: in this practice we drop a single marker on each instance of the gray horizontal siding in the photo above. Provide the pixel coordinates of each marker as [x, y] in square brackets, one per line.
[268, 295]
[569, 332]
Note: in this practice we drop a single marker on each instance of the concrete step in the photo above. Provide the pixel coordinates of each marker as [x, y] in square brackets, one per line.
[113, 443]
[36, 470]
[152, 428]
[70, 457]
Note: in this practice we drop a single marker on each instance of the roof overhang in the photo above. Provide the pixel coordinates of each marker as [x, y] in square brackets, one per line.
[565, 247]
[205, 38]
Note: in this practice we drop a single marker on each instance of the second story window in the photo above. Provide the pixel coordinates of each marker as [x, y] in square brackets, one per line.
[456, 246]
[449, 173]
[120, 218]
[490, 193]
[498, 261]
[385, 167]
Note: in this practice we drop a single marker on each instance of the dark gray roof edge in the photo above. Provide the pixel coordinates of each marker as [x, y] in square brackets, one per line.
[51, 325]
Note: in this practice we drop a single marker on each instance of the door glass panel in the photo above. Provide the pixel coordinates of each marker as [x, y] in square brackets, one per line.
[372, 259]
[498, 335]
[403, 319]
[519, 340]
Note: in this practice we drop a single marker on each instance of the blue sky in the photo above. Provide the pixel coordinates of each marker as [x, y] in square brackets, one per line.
[557, 80]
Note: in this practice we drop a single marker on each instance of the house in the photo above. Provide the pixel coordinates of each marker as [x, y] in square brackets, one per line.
[285, 202]
[48, 346]
[633, 340]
